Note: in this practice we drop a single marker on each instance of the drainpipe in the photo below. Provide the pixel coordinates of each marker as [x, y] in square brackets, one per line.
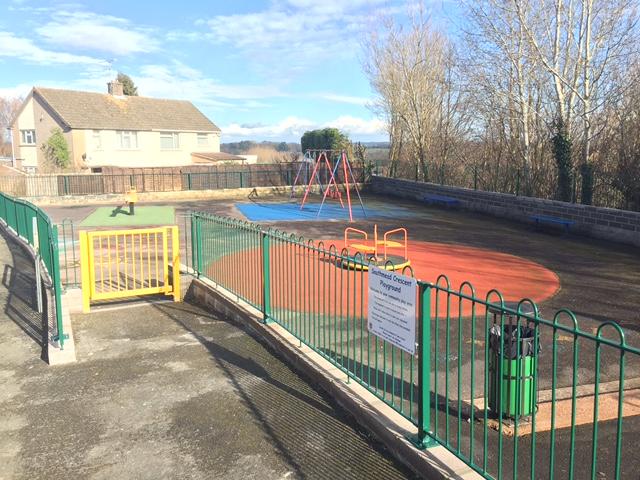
[13, 152]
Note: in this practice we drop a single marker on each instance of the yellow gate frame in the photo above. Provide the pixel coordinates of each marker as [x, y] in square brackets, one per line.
[113, 263]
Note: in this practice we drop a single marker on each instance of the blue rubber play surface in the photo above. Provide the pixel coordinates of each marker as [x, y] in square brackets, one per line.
[273, 212]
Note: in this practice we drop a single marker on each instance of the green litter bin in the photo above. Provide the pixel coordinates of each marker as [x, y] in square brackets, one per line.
[512, 375]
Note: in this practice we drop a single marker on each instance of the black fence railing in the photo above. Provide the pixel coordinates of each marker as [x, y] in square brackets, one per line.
[116, 183]
[608, 190]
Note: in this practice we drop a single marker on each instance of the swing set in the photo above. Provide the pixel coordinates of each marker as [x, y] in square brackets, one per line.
[330, 164]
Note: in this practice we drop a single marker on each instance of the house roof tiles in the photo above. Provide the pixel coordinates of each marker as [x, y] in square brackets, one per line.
[98, 111]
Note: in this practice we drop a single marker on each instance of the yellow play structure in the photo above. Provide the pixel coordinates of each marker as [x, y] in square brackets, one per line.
[390, 253]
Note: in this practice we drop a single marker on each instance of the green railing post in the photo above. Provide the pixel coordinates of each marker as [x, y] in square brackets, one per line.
[424, 440]
[266, 276]
[196, 239]
[57, 287]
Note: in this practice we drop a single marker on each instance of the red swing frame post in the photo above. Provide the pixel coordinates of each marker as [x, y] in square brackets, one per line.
[332, 188]
[332, 181]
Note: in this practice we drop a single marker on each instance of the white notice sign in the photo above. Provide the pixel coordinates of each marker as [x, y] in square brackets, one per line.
[392, 308]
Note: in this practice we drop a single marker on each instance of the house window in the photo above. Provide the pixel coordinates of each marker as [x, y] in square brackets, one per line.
[169, 141]
[127, 140]
[203, 139]
[97, 140]
[28, 137]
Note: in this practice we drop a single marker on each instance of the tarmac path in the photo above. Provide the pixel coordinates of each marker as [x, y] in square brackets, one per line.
[162, 391]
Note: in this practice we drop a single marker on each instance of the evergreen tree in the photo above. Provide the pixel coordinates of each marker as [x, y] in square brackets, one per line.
[128, 87]
[56, 150]
[562, 156]
[324, 139]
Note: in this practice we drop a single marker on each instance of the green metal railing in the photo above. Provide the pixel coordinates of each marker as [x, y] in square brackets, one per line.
[573, 363]
[319, 294]
[19, 216]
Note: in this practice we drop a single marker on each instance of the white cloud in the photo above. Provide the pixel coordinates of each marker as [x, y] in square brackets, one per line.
[358, 126]
[294, 35]
[332, 7]
[90, 31]
[18, 91]
[175, 81]
[294, 127]
[352, 100]
[289, 127]
[181, 81]
[27, 51]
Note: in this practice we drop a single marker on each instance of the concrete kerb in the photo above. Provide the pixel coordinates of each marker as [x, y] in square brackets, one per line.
[384, 423]
[69, 298]
[54, 355]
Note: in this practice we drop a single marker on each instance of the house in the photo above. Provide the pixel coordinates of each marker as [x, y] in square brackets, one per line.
[111, 130]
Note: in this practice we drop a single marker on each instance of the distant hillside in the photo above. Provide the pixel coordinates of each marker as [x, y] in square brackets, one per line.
[271, 152]
[376, 144]
[245, 146]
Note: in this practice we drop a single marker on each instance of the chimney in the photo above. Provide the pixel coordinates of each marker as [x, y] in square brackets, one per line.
[115, 88]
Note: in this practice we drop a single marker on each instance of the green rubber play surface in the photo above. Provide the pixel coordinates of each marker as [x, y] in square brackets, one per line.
[119, 217]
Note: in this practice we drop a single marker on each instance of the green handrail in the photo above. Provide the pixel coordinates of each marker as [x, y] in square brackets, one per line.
[19, 215]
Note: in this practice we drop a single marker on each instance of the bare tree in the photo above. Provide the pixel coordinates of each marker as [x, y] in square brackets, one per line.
[580, 44]
[509, 83]
[9, 106]
[537, 88]
[406, 66]
[619, 147]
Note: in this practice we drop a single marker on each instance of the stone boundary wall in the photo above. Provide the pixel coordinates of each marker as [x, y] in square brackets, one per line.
[597, 222]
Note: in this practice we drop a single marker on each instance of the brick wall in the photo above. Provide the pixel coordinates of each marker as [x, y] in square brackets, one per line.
[604, 223]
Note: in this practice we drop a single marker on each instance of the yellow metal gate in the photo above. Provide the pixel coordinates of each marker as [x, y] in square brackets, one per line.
[129, 263]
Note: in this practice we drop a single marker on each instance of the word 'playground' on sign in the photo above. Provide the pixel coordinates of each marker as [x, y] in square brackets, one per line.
[392, 308]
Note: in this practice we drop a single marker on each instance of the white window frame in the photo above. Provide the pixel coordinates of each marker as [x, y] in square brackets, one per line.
[96, 138]
[131, 136]
[203, 139]
[175, 140]
[28, 137]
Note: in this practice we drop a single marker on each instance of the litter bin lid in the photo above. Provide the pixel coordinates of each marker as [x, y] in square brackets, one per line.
[525, 308]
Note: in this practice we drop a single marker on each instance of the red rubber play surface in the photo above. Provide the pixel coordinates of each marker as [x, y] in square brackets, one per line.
[301, 281]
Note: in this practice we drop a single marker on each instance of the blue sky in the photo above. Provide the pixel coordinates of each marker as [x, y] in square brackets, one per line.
[261, 70]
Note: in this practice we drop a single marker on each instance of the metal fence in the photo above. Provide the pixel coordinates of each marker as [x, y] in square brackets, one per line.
[34, 226]
[579, 376]
[172, 181]
[608, 190]
[69, 247]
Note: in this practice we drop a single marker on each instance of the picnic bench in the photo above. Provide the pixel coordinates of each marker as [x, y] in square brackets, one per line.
[441, 200]
[548, 219]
